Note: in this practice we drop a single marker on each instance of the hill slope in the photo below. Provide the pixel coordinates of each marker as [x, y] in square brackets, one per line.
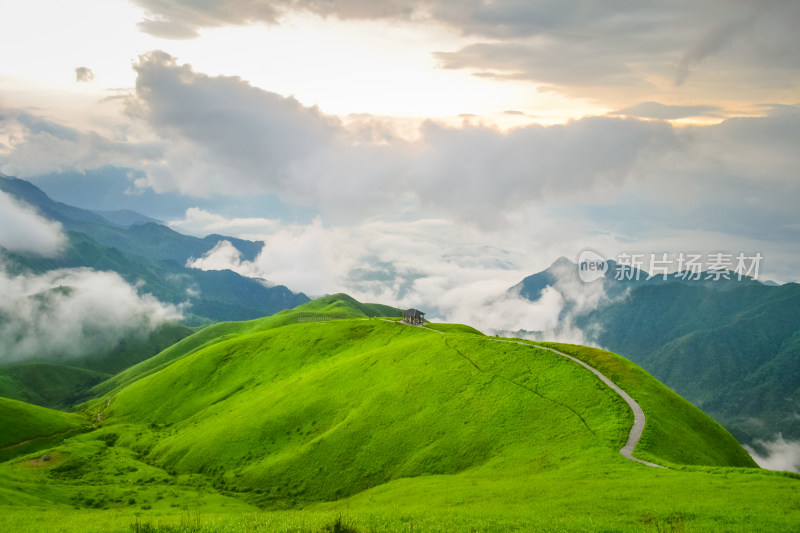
[372, 394]
[336, 306]
[21, 421]
[727, 346]
[730, 352]
[60, 382]
[371, 424]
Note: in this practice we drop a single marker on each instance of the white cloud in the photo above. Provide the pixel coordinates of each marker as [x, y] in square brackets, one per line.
[221, 134]
[685, 51]
[224, 136]
[32, 145]
[201, 222]
[430, 264]
[504, 314]
[65, 313]
[23, 230]
[780, 454]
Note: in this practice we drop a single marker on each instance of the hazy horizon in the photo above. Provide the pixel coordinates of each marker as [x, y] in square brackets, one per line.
[416, 153]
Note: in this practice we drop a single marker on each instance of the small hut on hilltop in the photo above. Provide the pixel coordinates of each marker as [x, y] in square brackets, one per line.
[412, 316]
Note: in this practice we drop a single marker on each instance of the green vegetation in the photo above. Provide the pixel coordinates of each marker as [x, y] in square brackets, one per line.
[51, 385]
[21, 422]
[676, 431]
[731, 351]
[730, 347]
[154, 256]
[63, 383]
[337, 306]
[298, 422]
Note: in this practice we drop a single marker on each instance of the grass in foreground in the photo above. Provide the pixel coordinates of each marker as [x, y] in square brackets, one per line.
[376, 426]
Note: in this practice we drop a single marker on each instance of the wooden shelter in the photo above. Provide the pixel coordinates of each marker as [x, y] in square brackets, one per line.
[413, 316]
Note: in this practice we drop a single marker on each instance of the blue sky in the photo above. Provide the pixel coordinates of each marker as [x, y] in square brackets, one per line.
[417, 153]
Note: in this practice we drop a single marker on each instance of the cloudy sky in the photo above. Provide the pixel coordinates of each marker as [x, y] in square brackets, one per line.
[423, 153]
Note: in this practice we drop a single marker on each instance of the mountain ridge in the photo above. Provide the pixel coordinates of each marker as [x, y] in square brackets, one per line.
[707, 340]
[154, 254]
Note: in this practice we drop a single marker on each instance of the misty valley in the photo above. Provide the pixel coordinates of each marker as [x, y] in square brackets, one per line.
[141, 393]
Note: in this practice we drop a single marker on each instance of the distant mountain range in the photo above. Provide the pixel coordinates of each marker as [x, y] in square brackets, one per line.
[144, 251]
[731, 347]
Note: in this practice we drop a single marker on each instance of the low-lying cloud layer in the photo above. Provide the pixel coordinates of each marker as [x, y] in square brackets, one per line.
[23, 230]
[779, 454]
[71, 313]
[431, 265]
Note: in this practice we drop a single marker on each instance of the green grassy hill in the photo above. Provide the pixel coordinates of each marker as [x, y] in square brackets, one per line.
[729, 346]
[363, 424]
[47, 384]
[677, 432]
[333, 307]
[21, 422]
[731, 352]
[61, 383]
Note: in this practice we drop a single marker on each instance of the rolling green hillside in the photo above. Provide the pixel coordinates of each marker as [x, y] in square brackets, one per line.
[21, 422]
[731, 352]
[676, 431]
[730, 347]
[336, 306]
[63, 382]
[300, 422]
[51, 385]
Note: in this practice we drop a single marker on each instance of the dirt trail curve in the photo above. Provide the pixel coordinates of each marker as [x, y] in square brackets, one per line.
[638, 415]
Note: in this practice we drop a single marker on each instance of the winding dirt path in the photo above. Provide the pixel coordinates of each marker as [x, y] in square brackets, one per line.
[638, 414]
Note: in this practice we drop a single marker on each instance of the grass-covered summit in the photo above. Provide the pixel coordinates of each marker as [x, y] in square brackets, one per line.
[384, 425]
